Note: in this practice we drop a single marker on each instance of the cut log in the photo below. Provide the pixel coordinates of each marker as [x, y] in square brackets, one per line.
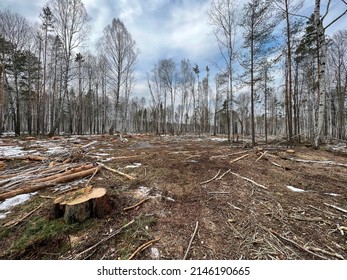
[79, 205]
[42, 185]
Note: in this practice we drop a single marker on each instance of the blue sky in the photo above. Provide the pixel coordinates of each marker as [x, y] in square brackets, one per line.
[162, 28]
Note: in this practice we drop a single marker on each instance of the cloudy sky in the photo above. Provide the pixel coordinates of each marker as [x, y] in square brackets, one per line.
[162, 28]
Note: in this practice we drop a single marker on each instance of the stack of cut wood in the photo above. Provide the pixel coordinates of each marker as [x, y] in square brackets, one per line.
[40, 177]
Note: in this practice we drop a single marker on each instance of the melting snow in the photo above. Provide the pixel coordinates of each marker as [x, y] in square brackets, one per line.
[218, 139]
[11, 151]
[295, 189]
[134, 165]
[56, 150]
[7, 204]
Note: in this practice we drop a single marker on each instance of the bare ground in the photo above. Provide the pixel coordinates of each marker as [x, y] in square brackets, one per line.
[255, 216]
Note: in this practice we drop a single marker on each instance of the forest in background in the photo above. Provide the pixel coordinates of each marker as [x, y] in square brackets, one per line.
[50, 84]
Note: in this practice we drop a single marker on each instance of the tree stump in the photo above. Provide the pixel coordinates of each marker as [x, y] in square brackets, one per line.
[79, 205]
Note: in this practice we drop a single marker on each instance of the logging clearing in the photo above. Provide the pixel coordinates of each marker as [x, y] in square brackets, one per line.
[170, 197]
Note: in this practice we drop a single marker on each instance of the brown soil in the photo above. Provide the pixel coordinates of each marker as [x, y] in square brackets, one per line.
[237, 218]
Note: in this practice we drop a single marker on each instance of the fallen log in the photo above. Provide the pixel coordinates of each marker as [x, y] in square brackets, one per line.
[239, 158]
[28, 157]
[79, 205]
[39, 186]
[67, 172]
[325, 162]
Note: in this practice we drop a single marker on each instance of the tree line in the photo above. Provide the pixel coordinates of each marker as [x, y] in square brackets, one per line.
[284, 76]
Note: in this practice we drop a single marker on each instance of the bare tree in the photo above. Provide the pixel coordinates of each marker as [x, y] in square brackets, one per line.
[17, 31]
[322, 58]
[338, 63]
[167, 73]
[222, 16]
[121, 53]
[70, 25]
[46, 17]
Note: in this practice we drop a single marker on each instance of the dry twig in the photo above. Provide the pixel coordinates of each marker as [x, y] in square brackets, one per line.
[332, 254]
[16, 222]
[135, 205]
[210, 180]
[336, 207]
[262, 154]
[225, 173]
[143, 247]
[105, 239]
[296, 245]
[116, 171]
[249, 180]
[191, 240]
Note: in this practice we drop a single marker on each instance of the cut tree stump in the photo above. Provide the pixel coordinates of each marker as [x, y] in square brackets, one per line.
[79, 205]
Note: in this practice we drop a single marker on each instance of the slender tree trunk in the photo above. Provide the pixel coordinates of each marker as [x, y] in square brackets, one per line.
[322, 49]
[252, 86]
[290, 84]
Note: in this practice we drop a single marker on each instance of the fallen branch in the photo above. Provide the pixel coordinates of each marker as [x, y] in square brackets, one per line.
[235, 207]
[336, 207]
[332, 254]
[28, 157]
[135, 205]
[306, 219]
[239, 158]
[90, 179]
[296, 244]
[85, 147]
[325, 162]
[126, 157]
[277, 165]
[238, 153]
[191, 240]
[16, 222]
[225, 173]
[262, 154]
[105, 239]
[143, 247]
[116, 171]
[210, 180]
[249, 180]
[218, 192]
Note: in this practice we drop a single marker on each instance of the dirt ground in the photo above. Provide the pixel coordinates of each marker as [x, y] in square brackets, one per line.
[243, 203]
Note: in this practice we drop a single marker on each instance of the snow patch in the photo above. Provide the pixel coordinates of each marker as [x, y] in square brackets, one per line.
[11, 151]
[56, 150]
[155, 253]
[134, 165]
[7, 204]
[293, 189]
[218, 139]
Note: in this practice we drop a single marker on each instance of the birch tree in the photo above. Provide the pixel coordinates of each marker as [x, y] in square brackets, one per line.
[120, 50]
[322, 59]
[70, 20]
[222, 16]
